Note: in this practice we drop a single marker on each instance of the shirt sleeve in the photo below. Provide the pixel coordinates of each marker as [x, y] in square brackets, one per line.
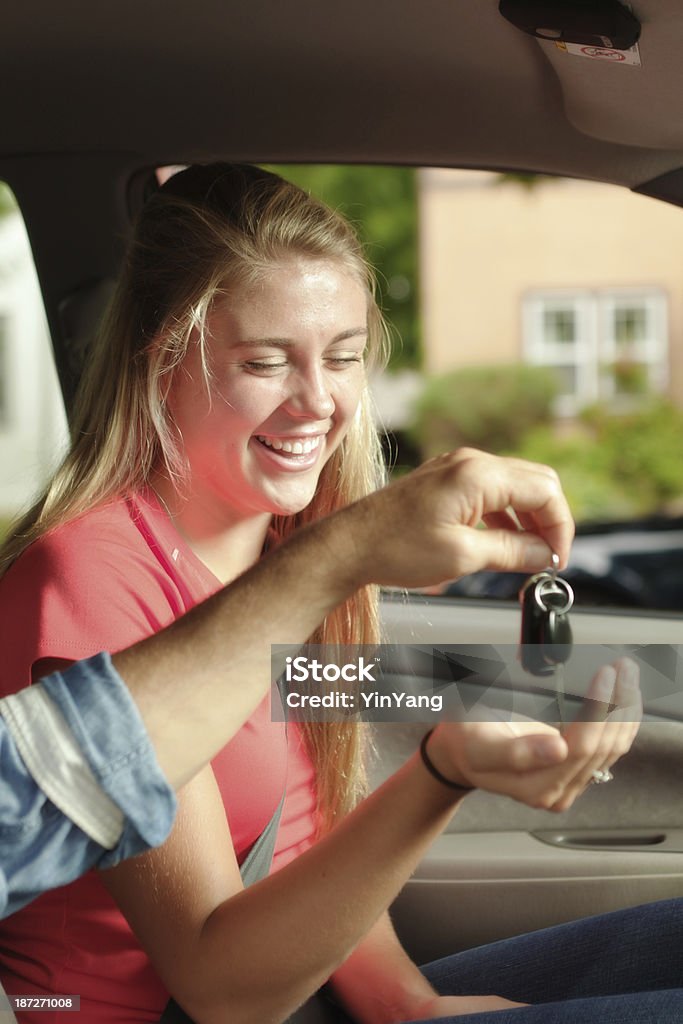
[88, 789]
[39, 846]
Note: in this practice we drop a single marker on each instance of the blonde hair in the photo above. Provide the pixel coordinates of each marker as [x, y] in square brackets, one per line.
[208, 229]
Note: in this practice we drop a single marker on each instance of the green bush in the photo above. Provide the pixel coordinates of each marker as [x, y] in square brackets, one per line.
[612, 465]
[585, 471]
[617, 466]
[492, 407]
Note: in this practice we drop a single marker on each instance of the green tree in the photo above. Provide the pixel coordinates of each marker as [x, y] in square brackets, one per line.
[382, 203]
[7, 201]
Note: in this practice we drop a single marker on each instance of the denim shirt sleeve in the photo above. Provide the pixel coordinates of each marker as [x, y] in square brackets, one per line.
[40, 845]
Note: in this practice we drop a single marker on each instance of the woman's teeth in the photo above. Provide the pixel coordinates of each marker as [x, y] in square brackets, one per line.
[291, 447]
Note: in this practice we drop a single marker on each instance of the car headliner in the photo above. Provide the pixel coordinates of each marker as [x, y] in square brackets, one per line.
[93, 93]
[440, 81]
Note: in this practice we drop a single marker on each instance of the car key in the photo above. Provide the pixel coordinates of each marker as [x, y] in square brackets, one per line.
[555, 631]
[546, 635]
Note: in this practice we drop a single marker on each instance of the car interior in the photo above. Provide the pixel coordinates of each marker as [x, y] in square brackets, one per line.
[97, 98]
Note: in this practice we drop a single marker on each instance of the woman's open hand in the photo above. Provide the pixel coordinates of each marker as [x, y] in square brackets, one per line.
[532, 761]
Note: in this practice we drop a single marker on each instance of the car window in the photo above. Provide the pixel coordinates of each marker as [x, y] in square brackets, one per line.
[531, 315]
[32, 421]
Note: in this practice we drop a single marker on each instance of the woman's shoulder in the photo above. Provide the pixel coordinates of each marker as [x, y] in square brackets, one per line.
[84, 546]
[88, 585]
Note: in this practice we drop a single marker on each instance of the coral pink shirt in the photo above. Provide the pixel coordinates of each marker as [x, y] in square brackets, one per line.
[103, 582]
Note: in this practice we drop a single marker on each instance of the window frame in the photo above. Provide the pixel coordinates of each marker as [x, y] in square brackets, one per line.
[595, 349]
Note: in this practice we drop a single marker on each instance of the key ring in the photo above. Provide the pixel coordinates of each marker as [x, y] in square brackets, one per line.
[550, 571]
[549, 584]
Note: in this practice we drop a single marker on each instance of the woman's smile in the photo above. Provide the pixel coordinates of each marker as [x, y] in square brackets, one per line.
[298, 452]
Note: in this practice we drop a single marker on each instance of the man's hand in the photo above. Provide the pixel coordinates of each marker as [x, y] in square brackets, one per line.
[423, 529]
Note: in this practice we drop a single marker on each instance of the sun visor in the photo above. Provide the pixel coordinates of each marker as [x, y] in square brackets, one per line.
[630, 97]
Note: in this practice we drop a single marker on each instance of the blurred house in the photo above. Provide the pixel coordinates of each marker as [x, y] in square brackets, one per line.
[586, 278]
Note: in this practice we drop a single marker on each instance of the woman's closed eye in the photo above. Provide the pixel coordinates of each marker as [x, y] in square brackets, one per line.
[342, 359]
[265, 366]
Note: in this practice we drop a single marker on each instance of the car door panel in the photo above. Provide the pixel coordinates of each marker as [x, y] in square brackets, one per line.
[502, 868]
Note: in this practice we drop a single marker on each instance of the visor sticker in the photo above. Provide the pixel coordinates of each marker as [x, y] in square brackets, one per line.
[603, 53]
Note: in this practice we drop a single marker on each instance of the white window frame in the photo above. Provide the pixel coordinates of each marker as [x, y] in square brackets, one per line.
[651, 352]
[595, 348]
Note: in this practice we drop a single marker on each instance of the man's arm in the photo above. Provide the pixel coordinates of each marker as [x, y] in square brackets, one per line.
[197, 681]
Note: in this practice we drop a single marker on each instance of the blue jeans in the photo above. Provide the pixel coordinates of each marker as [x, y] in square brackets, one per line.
[625, 967]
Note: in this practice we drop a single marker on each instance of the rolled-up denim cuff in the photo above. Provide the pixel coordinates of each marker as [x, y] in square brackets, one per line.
[106, 724]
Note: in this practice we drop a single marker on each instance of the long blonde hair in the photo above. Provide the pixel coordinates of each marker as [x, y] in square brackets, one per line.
[208, 229]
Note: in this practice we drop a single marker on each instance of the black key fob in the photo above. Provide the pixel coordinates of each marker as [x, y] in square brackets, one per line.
[546, 637]
[556, 638]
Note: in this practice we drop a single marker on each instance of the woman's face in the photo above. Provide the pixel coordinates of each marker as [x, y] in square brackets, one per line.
[286, 356]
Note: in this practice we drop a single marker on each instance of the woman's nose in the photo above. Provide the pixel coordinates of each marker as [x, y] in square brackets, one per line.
[311, 396]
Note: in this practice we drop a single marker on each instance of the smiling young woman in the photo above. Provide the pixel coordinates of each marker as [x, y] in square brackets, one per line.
[243, 325]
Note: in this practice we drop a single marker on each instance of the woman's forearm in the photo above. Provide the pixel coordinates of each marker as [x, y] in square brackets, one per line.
[379, 983]
[297, 926]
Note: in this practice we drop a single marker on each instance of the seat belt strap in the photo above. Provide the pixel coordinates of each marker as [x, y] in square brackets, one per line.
[255, 866]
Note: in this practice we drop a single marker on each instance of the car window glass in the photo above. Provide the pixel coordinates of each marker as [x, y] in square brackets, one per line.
[32, 421]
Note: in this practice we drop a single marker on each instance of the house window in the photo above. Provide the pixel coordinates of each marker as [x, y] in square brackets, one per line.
[605, 345]
[634, 344]
[559, 325]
